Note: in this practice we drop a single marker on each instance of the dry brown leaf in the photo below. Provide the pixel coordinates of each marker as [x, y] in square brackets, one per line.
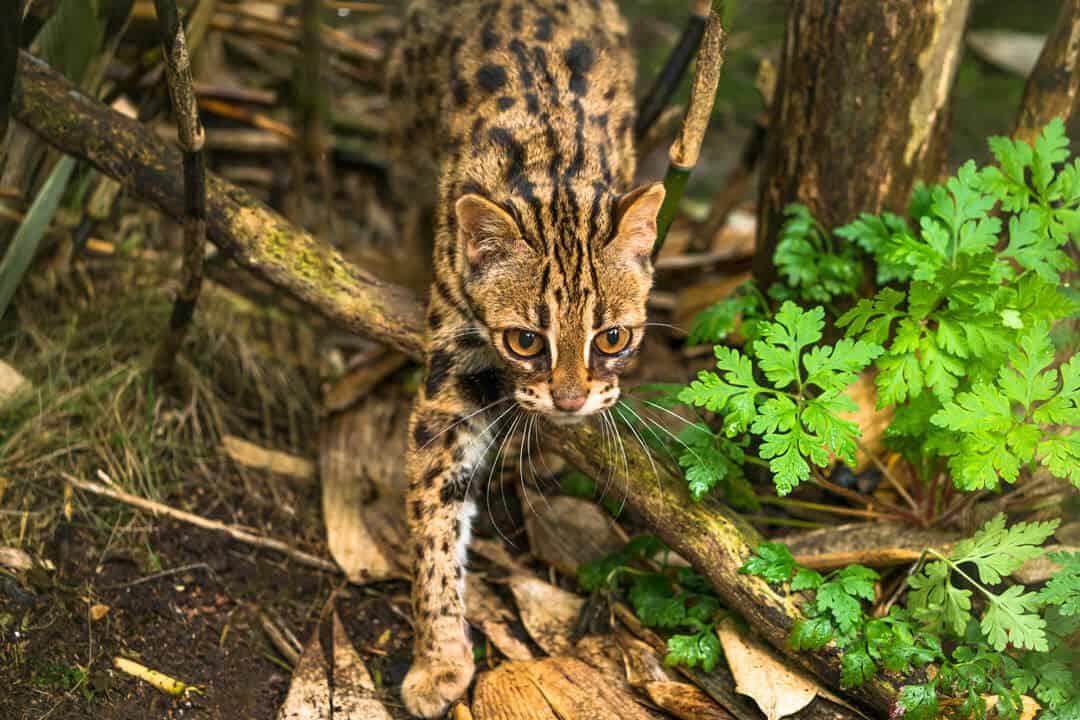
[98, 611]
[549, 613]
[253, 456]
[363, 485]
[13, 386]
[777, 689]
[487, 612]
[309, 691]
[871, 421]
[15, 559]
[1028, 707]
[1042, 568]
[602, 653]
[360, 381]
[354, 692]
[685, 701]
[556, 688]
[641, 663]
[565, 532]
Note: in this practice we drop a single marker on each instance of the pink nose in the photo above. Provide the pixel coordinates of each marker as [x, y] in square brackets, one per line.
[569, 403]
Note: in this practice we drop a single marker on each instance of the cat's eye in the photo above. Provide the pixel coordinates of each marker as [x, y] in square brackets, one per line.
[523, 343]
[612, 341]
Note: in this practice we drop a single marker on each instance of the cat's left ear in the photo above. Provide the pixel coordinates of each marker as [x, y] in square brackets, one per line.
[636, 216]
[487, 231]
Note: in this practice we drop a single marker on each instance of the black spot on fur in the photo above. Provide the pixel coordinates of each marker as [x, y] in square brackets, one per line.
[542, 30]
[515, 18]
[446, 547]
[601, 120]
[430, 475]
[514, 151]
[610, 93]
[461, 93]
[458, 454]
[453, 491]
[579, 58]
[491, 77]
[532, 103]
[421, 434]
[434, 320]
[505, 102]
[440, 363]
[481, 388]
[397, 87]
[543, 314]
[489, 38]
[472, 341]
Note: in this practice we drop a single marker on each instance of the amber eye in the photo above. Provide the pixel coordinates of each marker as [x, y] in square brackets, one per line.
[524, 343]
[613, 341]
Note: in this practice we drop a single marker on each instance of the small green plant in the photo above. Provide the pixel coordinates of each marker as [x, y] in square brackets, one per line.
[958, 335]
[1017, 644]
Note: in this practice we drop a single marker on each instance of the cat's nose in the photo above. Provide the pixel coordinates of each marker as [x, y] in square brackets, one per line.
[569, 402]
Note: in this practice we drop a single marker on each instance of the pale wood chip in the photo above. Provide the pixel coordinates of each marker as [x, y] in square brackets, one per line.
[251, 455]
[549, 613]
[685, 701]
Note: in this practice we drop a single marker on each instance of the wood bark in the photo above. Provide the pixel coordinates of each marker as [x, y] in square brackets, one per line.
[1053, 88]
[860, 111]
[710, 536]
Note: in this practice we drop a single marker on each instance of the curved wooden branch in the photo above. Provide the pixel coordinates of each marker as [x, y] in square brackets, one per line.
[1053, 89]
[711, 537]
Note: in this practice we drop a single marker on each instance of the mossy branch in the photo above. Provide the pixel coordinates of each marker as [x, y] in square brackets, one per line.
[1053, 88]
[712, 538]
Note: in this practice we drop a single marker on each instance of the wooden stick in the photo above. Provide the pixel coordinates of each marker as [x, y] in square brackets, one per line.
[236, 533]
[192, 138]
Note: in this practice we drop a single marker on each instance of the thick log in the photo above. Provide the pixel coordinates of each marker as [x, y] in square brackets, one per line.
[860, 111]
[256, 237]
[1053, 88]
[711, 537]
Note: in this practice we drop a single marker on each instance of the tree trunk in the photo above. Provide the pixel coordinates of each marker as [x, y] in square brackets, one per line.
[860, 111]
[1053, 89]
[708, 535]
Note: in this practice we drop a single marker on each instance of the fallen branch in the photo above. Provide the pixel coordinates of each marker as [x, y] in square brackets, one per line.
[711, 537]
[236, 533]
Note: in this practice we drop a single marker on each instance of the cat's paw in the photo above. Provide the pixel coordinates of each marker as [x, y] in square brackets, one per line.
[435, 681]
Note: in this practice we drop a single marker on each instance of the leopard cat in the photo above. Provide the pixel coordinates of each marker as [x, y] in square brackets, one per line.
[512, 133]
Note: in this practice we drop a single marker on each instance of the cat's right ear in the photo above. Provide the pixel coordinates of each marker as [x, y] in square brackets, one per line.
[486, 231]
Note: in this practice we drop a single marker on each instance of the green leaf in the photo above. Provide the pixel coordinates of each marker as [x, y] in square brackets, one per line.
[734, 390]
[872, 318]
[71, 38]
[1063, 588]
[919, 702]
[693, 650]
[771, 561]
[811, 634]
[655, 603]
[24, 246]
[806, 579]
[1034, 248]
[1011, 617]
[784, 340]
[1051, 148]
[933, 595]
[997, 551]
[856, 667]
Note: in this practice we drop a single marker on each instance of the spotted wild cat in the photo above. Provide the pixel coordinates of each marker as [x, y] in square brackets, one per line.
[513, 131]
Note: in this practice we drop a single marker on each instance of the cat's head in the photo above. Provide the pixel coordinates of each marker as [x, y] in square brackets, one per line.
[561, 290]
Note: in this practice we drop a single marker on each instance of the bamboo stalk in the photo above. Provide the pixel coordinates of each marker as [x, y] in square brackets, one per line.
[192, 138]
[667, 82]
[687, 146]
[10, 24]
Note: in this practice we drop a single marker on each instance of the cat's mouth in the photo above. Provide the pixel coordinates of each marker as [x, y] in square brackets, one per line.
[563, 419]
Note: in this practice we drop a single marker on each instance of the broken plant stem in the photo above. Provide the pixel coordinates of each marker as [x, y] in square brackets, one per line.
[667, 82]
[687, 146]
[900, 489]
[232, 531]
[161, 681]
[192, 138]
[820, 507]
